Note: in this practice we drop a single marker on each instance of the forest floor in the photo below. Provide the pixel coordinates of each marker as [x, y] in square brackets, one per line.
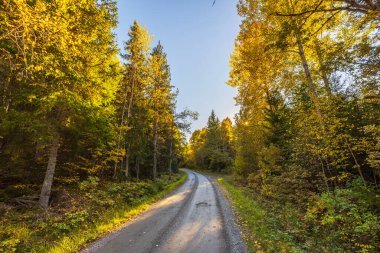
[80, 214]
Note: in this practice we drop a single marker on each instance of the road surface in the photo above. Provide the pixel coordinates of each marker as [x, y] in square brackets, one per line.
[191, 219]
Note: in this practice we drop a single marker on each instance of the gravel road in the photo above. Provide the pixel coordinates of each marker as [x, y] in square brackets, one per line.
[194, 218]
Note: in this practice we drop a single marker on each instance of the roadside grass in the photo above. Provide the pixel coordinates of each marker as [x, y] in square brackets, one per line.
[94, 216]
[261, 229]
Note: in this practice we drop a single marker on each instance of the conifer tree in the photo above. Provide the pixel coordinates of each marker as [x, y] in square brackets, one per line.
[162, 99]
[132, 101]
[65, 76]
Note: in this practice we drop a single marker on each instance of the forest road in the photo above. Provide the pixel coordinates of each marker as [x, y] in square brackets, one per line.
[194, 218]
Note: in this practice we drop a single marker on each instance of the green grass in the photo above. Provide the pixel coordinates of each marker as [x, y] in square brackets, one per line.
[262, 232]
[106, 209]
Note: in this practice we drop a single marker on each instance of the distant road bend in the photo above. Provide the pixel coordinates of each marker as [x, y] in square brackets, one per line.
[194, 218]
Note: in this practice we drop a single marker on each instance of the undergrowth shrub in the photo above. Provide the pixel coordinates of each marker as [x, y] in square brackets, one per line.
[342, 220]
[348, 218]
[26, 229]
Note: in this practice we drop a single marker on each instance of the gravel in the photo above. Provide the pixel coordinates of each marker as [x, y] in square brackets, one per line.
[232, 229]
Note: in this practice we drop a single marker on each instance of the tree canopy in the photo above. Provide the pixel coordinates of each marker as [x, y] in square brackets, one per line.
[70, 108]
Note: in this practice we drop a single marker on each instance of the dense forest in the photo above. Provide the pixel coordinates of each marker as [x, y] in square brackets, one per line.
[90, 135]
[306, 141]
[76, 117]
[211, 147]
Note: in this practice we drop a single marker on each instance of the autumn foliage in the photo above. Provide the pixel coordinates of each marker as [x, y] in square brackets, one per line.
[306, 138]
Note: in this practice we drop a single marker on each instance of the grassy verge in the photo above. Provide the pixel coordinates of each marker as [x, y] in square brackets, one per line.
[96, 210]
[260, 228]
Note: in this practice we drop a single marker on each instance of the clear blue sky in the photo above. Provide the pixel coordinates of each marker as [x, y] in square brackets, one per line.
[198, 39]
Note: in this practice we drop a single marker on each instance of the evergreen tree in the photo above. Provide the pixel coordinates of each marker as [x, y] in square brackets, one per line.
[162, 99]
[212, 147]
[132, 100]
[64, 79]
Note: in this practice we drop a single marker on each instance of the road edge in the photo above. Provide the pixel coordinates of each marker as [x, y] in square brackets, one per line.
[90, 247]
[232, 229]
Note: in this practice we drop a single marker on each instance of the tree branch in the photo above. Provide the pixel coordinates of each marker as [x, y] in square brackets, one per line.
[321, 10]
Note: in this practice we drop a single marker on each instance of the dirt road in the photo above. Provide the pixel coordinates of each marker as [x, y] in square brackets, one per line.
[194, 218]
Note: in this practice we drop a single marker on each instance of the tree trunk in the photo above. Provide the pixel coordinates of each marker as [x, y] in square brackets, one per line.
[335, 182]
[123, 115]
[126, 171]
[322, 69]
[120, 131]
[7, 92]
[2, 142]
[356, 161]
[170, 158]
[312, 88]
[137, 167]
[155, 138]
[129, 112]
[48, 181]
[324, 173]
[374, 177]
